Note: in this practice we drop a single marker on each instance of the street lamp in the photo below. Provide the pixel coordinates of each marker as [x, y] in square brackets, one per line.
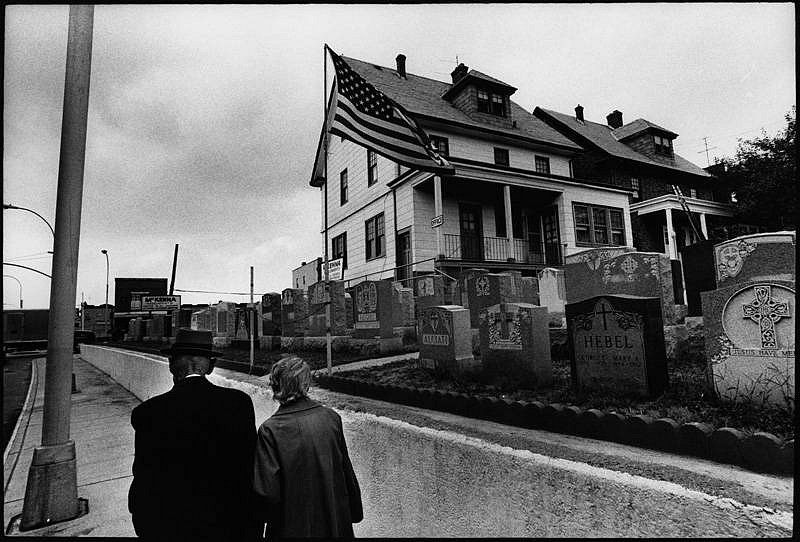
[20, 288]
[105, 309]
[9, 206]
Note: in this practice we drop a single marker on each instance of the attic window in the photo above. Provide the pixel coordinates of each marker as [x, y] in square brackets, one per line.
[663, 145]
[492, 103]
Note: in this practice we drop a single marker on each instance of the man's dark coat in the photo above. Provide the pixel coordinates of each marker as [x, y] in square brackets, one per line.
[192, 472]
[304, 473]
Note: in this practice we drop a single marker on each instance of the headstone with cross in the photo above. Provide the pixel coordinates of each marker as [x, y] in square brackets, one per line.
[515, 344]
[750, 336]
[616, 345]
[488, 289]
[445, 340]
[606, 271]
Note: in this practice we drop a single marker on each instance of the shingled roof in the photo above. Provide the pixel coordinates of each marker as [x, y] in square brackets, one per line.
[639, 125]
[607, 139]
[423, 96]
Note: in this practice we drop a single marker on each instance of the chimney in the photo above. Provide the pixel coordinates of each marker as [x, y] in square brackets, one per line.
[614, 119]
[459, 73]
[401, 65]
[579, 112]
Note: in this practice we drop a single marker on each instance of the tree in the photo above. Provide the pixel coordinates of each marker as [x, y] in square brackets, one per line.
[763, 177]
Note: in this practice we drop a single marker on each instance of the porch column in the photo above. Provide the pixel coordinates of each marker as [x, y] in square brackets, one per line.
[672, 250]
[509, 222]
[437, 206]
[703, 226]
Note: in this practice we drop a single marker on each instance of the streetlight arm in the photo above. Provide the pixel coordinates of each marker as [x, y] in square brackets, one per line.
[9, 206]
[28, 268]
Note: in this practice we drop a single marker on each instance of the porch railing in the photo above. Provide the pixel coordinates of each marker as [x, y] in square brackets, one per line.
[498, 249]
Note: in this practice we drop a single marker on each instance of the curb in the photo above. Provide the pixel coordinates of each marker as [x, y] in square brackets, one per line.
[16, 440]
[761, 452]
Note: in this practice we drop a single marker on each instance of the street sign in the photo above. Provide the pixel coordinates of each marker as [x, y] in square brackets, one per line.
[161, 302]
[437, 221]
[335, 269]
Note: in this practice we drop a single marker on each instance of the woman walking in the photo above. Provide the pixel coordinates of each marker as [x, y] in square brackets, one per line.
[302, 469]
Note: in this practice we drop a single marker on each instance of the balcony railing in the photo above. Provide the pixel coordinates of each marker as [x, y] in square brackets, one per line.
[498, 249]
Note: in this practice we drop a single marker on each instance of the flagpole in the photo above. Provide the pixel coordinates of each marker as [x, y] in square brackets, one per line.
[325, 173]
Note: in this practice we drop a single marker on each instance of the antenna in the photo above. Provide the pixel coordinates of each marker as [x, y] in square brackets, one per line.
[705, 140]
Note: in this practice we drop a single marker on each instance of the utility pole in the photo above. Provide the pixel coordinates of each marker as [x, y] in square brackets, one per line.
[172, 319]
[252, 314]
[705, 140]
[51, 494]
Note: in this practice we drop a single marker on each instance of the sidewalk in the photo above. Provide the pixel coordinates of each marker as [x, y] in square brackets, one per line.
[101, 429]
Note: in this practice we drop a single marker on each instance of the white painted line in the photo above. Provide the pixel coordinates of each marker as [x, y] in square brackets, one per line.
[757, 514]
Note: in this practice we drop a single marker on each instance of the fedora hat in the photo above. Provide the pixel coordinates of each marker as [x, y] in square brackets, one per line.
[191, 341]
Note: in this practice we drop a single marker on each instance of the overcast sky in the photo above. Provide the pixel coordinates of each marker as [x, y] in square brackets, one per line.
[203, 120]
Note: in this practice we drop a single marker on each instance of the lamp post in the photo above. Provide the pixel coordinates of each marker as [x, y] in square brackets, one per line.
[105, 309]
[9, 206]
[20, 288]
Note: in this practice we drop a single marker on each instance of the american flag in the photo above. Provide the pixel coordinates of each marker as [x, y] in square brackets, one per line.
[369, 118]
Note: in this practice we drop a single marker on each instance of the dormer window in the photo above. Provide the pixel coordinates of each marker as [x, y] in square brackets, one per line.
[492, 103]
[663, 145]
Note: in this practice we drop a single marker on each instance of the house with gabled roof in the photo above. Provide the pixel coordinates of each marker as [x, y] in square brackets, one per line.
[510, 203]
[639, 156]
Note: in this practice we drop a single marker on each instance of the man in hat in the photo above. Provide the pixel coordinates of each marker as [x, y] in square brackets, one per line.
[193, 461]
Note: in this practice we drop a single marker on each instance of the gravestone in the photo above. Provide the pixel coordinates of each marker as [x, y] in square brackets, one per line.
[699, 273]
[271, 313]
[763, 256]
[372, 300]
[294, 312]
[402, 305]
[515, 343]
[428, 292]
[156, 330]
[488, 289]
[445, 339]
[596, 255]
[616, 345]
[643, 274]
[530, 290]
[317, 319]
[553, 294]
[463, 280]
[750, 341]
[349, 317]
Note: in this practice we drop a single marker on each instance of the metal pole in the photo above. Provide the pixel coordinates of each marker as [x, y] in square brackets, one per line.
[172, 319]
[83, 313]
[51, 494]
[20, 288]
[105, 309]
[9, 206]
[251, 317]
[325, 173]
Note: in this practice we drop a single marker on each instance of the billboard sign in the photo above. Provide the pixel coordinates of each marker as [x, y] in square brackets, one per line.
[335, 269]
[161, 302]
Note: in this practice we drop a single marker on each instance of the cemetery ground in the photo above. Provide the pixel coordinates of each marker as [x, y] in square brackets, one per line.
[687, 398]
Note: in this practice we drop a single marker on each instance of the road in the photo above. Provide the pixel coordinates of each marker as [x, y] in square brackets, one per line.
[16, 378]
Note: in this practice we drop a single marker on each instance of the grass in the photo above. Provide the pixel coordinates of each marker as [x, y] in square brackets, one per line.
[686, 400]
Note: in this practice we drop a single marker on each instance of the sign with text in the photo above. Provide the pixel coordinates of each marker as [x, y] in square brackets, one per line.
[437, 221]
[335, 269]
[161, 302]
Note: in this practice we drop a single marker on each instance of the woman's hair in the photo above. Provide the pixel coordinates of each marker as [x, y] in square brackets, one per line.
[290, 379]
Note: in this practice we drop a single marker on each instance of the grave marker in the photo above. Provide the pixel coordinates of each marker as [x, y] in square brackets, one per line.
[372, 300]
[294, 312]
[318, 296]
[616, 345]
[488, 289]
[271, 313]
[763, 256]
[446, 339]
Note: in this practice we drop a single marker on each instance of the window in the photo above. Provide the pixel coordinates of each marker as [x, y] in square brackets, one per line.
[542, 164]
[339, 248]
[692, 192]
[375, 243]
[636, 187]
[663, 145]
[343, 187]
[441, 144]
[483, 101]
[489, 102]
[501, 156]
[596, 225]
[372, 167]
[498, 105]
[571, 171]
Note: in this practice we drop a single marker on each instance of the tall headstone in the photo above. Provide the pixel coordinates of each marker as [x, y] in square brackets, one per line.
[318, 296]
[428, 292]
[530, 290]
[294, 312]
[271, 314]
[644, 274]
[463, 280]
[445, 339]
[699, 273]
[515, 343]
[488, 289]
[553, 294]
[402, 305]
[372, 301]
[761, 256]
[749, 320]
[616, 345]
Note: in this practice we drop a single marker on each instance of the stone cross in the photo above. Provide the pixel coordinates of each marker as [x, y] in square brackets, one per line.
[766, 312]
